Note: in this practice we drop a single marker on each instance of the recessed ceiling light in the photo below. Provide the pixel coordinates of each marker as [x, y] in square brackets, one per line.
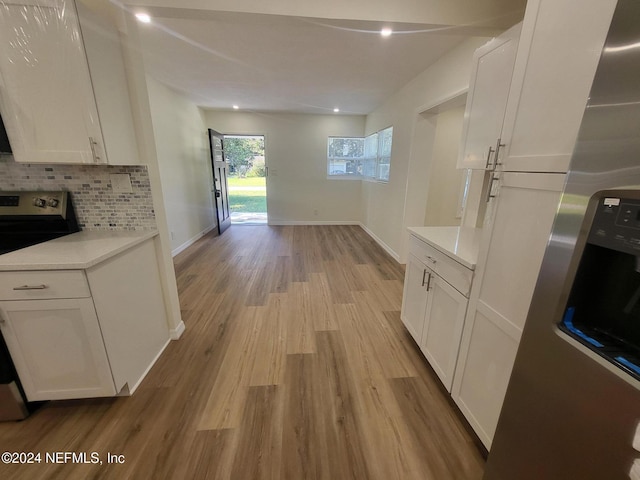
[386, 32]
[336, 110]
[236, 107]
[143, 17]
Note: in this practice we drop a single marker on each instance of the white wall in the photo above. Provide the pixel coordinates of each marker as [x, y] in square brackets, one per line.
[185, 167]
[444, 178]
[389, 208]
[296, 155]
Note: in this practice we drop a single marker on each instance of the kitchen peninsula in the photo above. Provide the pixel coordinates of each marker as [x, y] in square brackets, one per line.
[83, 315]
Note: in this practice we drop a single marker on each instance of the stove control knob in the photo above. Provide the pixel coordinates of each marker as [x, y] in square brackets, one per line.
[39, 202]
[53, 202]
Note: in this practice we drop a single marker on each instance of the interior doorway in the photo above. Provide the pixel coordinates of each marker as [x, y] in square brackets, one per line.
[247, 179]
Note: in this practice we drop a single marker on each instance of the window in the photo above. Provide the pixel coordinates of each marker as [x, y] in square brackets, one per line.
[385, 138]
[368, 158]
[370, 155]
[345, 156]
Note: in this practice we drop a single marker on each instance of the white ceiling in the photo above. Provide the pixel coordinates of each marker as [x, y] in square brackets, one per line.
[266, 62]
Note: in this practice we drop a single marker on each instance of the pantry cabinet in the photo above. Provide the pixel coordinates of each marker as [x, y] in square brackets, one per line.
[515, 236]
[64, 94]
[557, 55]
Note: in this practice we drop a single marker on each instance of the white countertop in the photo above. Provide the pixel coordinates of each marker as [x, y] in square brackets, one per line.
[460, 243]
[76, 251]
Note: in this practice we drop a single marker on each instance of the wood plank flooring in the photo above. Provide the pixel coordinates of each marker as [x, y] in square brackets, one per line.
[294, 365]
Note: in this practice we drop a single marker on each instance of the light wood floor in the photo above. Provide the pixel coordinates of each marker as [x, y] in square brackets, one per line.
[294, 365]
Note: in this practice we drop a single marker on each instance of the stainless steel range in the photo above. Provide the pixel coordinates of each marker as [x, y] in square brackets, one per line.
[28, 218]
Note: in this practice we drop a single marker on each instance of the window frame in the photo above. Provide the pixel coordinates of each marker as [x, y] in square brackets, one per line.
[380, 155]
[371, 161]
[342, 176]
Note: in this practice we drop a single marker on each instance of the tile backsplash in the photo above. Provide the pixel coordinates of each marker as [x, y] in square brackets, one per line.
[97, 206]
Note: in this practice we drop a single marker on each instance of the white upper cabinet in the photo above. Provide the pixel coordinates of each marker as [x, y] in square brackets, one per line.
[109, 79]
[528, 93]
[557, 57]
[487, 100]
[63, 89]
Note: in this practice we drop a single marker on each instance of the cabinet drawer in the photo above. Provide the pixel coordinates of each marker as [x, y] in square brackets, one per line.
[42, 285]
[453, 272]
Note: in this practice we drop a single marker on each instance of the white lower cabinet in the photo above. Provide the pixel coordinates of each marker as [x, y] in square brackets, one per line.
[442, 331]
[85, 333]
[57, 348]
[433, 309]
[415, 296]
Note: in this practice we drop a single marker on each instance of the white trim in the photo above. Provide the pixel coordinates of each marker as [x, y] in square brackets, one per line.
[345, 177]
[192, 240]
[449, 101]
[385, 247]
[176, 333]
[316, 222]
[153, 362]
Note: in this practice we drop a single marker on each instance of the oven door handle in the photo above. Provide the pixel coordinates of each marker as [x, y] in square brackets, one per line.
[31, 287]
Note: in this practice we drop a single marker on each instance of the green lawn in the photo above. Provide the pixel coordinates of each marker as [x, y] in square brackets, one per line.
[247, 201]
[247, 182]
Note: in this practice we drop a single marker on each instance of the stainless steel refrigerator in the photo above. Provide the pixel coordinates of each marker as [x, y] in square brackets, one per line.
[572, 407]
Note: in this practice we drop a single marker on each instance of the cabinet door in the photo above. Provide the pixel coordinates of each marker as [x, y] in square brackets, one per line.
[105, 56]
[557, 57]
[515, 236]
[415, 296]
[443, 329]
[487, 100]
[46, 95]
[486, 360]
[57, 348]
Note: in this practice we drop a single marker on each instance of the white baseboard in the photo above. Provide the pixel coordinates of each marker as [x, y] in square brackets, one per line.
[176, 333]
[191, 241]
[379, 241]
[311, 222]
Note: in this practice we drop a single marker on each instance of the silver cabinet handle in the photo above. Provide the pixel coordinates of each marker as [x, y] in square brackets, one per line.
[429, 282]
[499, 145]
[431, 259]
[491, 150]
[424, 274]
[493, 179]
[93, 144]
[31, 287]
